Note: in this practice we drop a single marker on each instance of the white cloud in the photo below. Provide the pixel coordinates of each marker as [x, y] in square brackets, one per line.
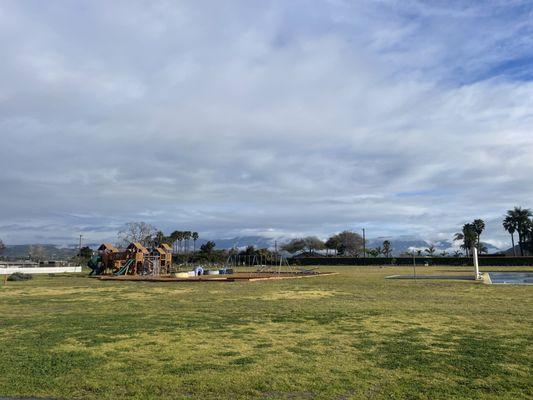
[269, 117]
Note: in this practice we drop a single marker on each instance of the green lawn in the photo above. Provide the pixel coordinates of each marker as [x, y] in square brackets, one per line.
[353, 335]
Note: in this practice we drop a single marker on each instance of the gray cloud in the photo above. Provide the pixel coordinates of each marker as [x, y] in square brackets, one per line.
[262, 117]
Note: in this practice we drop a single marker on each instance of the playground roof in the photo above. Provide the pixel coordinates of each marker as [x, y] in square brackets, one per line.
[138, 246]
[160, 250]
[107, 246]
[166, 247]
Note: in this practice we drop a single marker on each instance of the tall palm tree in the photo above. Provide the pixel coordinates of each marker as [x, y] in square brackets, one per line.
[478, 227]
[521, 217]
[186, 237]
[509, 224]
[180, 239]
[469, 237]
[527, 235]
[195, 237]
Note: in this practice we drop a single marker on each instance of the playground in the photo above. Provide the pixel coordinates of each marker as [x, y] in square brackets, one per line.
[354, 335]
[138, 263]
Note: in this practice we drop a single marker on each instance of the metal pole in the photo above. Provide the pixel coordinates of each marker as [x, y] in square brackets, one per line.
[476, 261]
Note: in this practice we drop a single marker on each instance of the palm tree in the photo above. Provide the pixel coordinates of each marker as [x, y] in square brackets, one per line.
[195, 237]
[180, 239]
[468, 236]
[430, 250]
[187, 236]
[478, 227]
[387, 248]
[521, 217]
[509, 224]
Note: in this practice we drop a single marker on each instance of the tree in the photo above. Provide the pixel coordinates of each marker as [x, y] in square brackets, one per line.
[86, 252]
[159, 238]
[468, 236]
[347, 242]
[375, 252]
[294, 246]
[387, 248]
[249, 251]
[2, 246]
[186, 237]
[521, 218]
[207, 248]
[332, 244]
[195, 237]
[509, 224]
[137, 232]
[312, 244]
[457, 253]
[37, 253]
[181, 236]
[478, 227]
[174, 240]
[431, 250]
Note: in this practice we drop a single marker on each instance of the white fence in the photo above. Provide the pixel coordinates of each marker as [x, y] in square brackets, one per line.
[37, 270]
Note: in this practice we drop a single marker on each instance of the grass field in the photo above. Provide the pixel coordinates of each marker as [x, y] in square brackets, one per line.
[352, 335]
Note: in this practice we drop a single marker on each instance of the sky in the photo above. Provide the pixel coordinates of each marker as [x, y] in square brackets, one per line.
[275, 118]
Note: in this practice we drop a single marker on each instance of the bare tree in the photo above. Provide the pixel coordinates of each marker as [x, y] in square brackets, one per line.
[137, 232]
[37, 253]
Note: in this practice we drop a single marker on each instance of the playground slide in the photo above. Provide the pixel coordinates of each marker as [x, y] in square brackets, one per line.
[95, 265]
[124, 269]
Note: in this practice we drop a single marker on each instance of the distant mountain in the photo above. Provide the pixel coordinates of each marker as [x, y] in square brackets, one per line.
[403, 245]
[399, 245]
[46, 251]
[243, 241]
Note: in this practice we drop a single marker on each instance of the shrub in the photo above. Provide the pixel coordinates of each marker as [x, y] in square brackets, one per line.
[19, 276]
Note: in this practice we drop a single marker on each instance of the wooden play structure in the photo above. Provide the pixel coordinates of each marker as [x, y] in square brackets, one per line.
[134, 260]
[138, 263]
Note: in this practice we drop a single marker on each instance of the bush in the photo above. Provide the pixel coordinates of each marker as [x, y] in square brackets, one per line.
[19, 276]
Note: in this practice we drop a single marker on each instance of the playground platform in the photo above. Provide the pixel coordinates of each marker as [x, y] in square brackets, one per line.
[238, 276]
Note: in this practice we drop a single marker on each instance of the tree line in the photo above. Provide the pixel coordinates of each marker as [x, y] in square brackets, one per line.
[149, 236]
[518, 222]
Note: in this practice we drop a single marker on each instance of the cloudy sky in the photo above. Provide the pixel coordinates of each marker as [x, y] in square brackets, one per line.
[275, 118]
